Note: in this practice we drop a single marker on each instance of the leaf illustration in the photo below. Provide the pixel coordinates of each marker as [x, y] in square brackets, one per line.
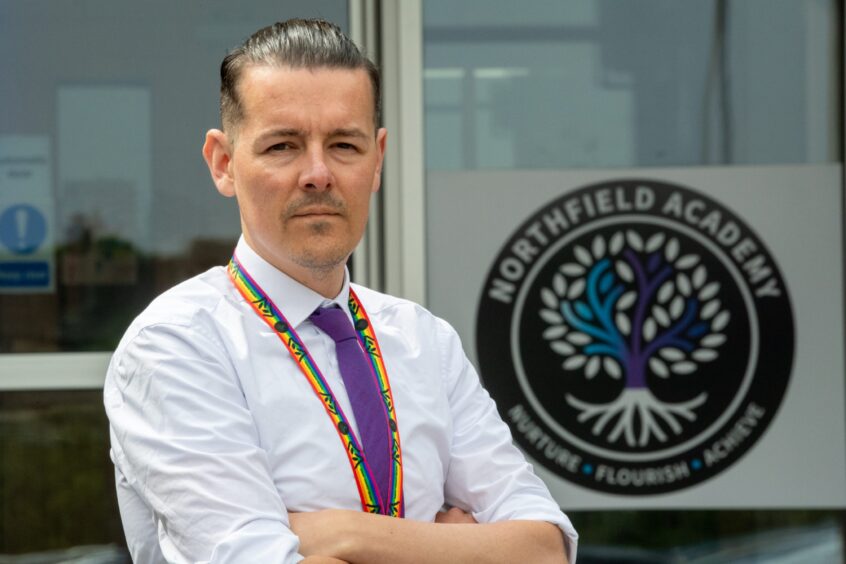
[554, 332]
[649, 329]
[704, 355]
[562, 348]
[687, 261]
[572, 269]
[658, 367]
[592, 368]
[635, 242]
[683, 284]
[714, 340]
[654, 242]
[720, 321]
[582, 255]
[623, 323]
[676, 307]
[576, 288]
[575, 362]
[559, 284]
[709, 309]
[598, 247]
[699, 276]
[709, 291]
[616, 244]
[685, 367]
[626, 300]
[671, 354]
[551, 317]
[611, 367]
[549, 298]
[671, 251]
[624, 270]
[666, 291]
[578, 338]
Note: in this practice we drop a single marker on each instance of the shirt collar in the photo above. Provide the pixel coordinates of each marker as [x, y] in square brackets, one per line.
[295, 301]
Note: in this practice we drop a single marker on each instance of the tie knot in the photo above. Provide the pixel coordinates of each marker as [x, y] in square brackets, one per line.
[334, 322]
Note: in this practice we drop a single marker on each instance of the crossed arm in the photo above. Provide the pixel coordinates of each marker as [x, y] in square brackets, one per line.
[341, 537]
[187, 444]
[352, 537]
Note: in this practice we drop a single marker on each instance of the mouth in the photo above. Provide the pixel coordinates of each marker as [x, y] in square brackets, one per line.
[316, 212]
[323, 206]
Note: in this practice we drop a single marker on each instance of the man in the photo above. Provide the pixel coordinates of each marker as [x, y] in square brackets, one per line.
[237, 434]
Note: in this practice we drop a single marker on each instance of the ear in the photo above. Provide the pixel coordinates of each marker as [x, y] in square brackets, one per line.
[217, 151]
[381, 144]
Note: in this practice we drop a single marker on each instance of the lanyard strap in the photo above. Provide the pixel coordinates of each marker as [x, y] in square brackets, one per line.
[372, 501]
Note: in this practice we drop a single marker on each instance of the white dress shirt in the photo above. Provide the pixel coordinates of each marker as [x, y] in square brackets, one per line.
[216, 434]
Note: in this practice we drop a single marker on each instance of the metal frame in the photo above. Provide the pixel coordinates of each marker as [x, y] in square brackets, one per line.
[367, 258]
[392, 255]
[53, 371]
[403, 194]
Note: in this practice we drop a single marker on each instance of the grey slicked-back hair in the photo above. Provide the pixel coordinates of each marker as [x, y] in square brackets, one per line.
[295, 43]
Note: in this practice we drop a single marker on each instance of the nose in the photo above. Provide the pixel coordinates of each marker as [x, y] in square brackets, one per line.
[316, 175]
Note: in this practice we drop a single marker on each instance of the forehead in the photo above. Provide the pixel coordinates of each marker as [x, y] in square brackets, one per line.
[281, 93]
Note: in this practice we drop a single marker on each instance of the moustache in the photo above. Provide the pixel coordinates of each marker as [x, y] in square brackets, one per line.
[317, 200]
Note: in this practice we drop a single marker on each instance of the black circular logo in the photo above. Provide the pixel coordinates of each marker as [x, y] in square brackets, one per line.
[636, 335]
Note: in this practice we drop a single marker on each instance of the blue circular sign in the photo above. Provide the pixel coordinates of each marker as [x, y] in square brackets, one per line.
[23, 229]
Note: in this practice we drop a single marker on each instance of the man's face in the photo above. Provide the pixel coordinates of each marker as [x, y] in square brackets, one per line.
[305, 160]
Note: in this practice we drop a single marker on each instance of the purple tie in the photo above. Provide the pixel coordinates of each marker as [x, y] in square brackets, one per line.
[364, 393]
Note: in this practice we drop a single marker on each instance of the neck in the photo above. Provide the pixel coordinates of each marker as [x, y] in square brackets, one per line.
[326, 278]
[323, 281]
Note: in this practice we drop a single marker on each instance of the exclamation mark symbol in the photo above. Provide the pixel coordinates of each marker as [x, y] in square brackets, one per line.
[20, 221]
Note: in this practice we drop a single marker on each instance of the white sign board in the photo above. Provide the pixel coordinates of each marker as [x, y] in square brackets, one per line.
[655, 338]
[26, 215]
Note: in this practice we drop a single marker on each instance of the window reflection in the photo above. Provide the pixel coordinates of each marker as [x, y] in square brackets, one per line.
[649, 83]
[56, 480]
[739, 537]
[107, 107]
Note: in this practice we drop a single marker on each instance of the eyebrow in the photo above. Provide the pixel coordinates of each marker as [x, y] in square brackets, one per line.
[287, 132]
[293, 132]
[349, 133]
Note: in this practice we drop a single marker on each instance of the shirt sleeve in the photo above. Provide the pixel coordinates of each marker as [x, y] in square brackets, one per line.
[184, 440]
[487, 474]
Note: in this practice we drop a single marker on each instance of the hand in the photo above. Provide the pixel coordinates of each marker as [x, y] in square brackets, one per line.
[320, 532]
[454, 515]
[322, 560]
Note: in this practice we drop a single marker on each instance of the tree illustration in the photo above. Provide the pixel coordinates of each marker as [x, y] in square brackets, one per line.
[627, 308]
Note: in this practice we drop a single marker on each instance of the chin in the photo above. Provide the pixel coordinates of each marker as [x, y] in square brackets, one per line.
[326, 260]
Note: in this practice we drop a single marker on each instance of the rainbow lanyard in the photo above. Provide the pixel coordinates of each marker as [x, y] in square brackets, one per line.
[371, 500]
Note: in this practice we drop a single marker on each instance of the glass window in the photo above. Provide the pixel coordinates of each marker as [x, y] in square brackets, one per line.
[648, 83]
[56, 480]
[105, 201]
[598, 85]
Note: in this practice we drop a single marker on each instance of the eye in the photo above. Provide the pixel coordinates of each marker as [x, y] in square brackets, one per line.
[278, 147]
[346, 146]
